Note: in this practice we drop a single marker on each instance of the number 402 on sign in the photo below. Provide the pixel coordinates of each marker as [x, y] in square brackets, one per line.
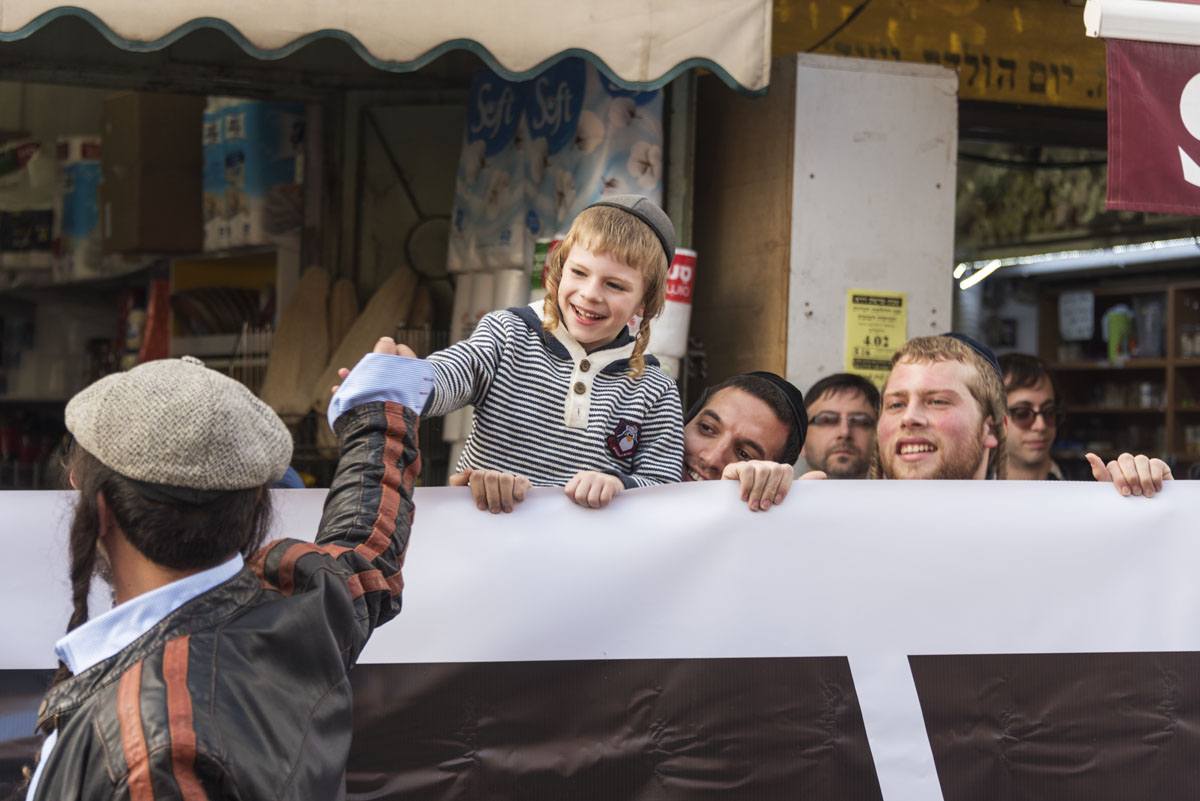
[876, 326]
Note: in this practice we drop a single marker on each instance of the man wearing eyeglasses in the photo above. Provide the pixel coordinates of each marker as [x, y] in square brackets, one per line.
[842, 412]
[1034, 414]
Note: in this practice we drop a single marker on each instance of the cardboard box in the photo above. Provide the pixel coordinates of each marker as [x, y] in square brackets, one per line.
[150, 196]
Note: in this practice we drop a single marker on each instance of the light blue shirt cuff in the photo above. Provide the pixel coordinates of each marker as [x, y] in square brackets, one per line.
[381, 377]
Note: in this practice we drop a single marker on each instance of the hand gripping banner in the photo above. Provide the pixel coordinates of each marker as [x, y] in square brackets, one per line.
[908, 641]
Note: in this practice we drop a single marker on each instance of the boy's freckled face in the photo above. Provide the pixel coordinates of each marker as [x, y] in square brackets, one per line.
[597, 296]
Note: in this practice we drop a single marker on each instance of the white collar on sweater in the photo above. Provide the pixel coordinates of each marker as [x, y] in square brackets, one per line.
[578, 401]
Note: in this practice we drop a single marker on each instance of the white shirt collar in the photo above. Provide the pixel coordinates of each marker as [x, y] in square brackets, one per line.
[104, 636]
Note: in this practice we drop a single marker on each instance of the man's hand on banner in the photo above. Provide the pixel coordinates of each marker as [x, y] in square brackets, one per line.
[383, 345]
[1132, 475]
[764, 484]
[592, 489]
[492, 490]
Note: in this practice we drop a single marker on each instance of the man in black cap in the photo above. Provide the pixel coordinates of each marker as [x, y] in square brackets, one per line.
[749, 428]
[221, 670]
[943, 414]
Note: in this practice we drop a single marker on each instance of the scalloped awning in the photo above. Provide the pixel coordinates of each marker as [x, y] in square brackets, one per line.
[640, 44]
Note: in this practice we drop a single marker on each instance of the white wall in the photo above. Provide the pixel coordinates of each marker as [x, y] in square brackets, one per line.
[873, 200]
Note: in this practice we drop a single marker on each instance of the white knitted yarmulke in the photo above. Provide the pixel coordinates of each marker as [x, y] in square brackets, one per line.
[176, 422]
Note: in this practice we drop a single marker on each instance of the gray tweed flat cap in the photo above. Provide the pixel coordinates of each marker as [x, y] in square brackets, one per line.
[176, 422]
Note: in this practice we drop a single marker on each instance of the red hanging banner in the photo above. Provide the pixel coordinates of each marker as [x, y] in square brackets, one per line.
[1153, 127]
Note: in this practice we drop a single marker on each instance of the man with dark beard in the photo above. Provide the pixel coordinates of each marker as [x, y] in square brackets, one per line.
[221, 671]
[842, 410]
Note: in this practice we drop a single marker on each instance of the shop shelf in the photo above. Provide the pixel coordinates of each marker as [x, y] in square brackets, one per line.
[1128, 364]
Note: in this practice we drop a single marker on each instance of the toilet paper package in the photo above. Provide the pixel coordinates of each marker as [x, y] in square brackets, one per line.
[483, 300]
[216, 222]
[669, 331]
[542, 248]
[263, 147]
[512, 289]
[77, 208]
[28, 192]
[459, 316]
[488, 230]
[455, 454]
[671, 366]
[588, 138]
[461, 320]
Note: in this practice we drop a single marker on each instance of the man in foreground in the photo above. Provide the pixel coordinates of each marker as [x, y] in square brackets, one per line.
[942, 413]
[842, 412]
[943, 416]
[221, 671]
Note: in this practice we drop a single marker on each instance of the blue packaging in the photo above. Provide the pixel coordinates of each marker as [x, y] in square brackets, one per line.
[77, 221]
[216, 225]
[263, 148]
[488, 229]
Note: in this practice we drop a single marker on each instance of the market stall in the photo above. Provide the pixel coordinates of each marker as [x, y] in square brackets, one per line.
[363, 109]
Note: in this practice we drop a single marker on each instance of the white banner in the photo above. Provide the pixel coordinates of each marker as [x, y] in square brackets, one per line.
[681, 572]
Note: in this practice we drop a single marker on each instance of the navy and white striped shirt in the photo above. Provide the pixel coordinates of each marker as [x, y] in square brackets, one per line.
[546, 409]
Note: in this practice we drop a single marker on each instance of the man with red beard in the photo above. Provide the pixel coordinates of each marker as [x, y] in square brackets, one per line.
[943, 416]
[942, 413]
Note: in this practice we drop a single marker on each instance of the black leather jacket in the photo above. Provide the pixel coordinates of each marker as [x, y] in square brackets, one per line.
[243, 693]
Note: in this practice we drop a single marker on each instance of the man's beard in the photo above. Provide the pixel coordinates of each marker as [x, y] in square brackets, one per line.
[856, 467]
[956, 464]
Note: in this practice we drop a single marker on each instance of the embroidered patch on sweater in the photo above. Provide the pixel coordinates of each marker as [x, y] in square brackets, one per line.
[623, 441]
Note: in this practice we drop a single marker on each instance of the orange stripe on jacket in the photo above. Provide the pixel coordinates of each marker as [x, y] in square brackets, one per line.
[133, 736]
[389, 495]
[179, 717]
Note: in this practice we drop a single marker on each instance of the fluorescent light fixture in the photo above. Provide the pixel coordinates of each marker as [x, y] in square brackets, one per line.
[959, 270]
[1143, 20]
[1073, 260]
[980, 274]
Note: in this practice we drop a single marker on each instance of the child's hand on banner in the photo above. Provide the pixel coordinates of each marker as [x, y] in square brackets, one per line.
[592, 489]
[492, 490]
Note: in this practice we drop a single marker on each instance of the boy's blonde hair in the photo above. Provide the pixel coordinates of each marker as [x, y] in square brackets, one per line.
[617, 234]
[985, 387]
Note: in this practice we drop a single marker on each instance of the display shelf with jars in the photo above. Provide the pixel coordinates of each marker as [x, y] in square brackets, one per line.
[1134, 384]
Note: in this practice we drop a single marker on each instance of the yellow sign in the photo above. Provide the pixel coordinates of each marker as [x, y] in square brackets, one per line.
[876, 327]
[1008, 51]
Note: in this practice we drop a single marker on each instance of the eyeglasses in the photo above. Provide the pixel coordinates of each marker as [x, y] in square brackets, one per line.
[854, 420]
[1025, 414]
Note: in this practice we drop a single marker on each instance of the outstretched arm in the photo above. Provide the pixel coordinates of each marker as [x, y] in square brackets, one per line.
[364, 529]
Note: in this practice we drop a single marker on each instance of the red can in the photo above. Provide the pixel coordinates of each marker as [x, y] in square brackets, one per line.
[681, 278]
